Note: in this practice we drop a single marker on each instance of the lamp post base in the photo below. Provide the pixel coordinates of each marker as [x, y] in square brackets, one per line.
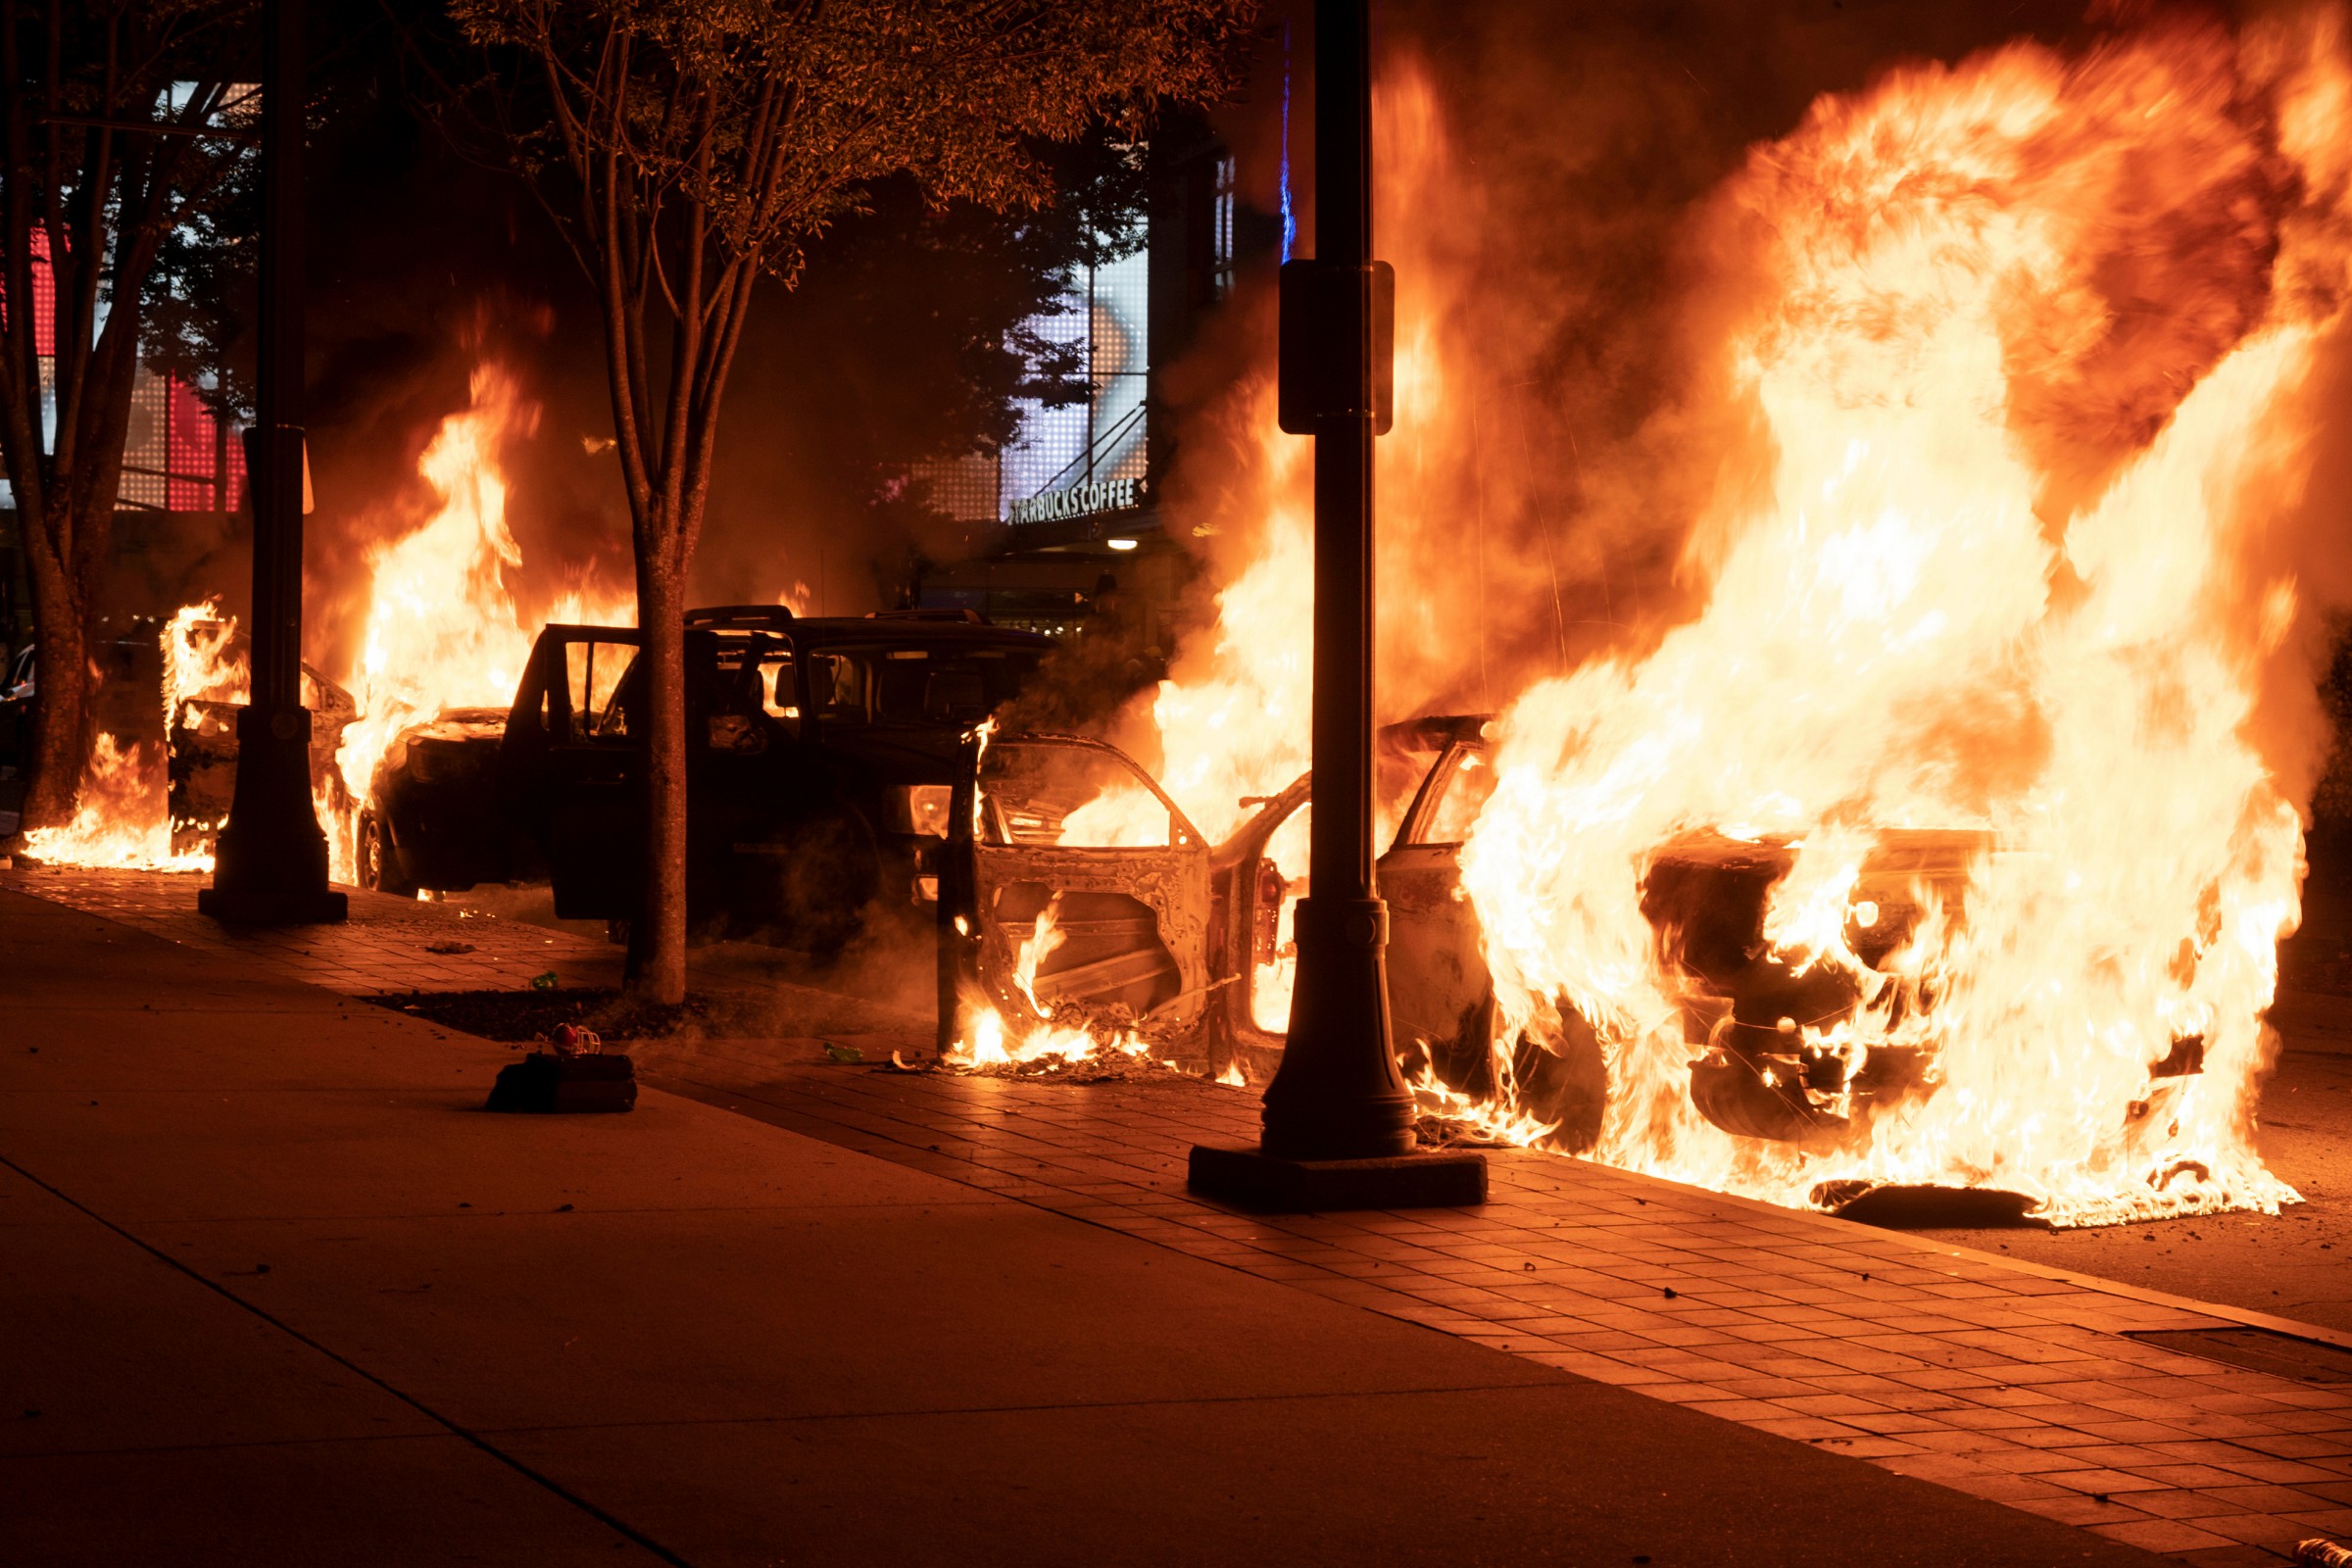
[270, 862]
[239, 907]
[1253, 1179]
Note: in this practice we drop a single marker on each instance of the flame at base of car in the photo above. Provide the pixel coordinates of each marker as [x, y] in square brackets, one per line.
[987, 1038]
[122, 820]
[1491, 1120]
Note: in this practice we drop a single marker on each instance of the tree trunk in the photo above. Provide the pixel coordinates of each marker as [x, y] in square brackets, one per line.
[63, 682]
[657, 967]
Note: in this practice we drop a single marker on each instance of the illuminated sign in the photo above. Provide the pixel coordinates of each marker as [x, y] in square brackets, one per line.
[1080, 501]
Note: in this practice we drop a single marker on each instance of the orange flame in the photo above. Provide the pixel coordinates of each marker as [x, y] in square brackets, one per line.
[120, 820]
[1998, 581]
[442, 627]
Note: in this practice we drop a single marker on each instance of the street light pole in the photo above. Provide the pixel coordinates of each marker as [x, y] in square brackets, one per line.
[270, 862]
[1338, 1119]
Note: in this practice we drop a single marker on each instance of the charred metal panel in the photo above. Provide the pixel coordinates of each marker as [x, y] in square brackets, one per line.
[1247, 903]
[1130, 917]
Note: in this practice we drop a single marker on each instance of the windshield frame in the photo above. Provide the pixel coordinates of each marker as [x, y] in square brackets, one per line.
[877, 652]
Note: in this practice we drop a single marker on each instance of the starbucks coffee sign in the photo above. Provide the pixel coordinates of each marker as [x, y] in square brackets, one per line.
[1080, 501]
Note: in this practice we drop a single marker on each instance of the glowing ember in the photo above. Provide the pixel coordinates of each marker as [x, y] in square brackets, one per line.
[1997, 608]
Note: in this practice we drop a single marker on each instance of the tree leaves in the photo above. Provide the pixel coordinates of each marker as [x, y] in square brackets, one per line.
[774, 116]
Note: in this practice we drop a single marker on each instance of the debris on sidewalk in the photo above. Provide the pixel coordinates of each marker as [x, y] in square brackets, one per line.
[565, 1081]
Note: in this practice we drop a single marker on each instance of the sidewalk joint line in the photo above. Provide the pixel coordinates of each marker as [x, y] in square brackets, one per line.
[609, 1520]
[1553, 1383]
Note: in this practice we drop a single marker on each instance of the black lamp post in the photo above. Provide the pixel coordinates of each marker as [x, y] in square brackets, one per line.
[271, 867]
[1339, 1118]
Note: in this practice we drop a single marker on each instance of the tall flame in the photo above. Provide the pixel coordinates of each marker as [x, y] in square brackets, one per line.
[442, 627]
[1999, 580]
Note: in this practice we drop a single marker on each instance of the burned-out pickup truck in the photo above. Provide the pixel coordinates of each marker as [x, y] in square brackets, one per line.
[821, 757]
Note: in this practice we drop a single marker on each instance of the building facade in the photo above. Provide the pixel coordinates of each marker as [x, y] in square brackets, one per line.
[1067, 516]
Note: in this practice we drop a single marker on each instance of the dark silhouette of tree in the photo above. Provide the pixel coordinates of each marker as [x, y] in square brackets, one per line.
[688, 147]
[120, 139]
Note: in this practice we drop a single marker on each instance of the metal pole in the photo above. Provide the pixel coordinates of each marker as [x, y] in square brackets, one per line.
[1339, 1095]
[1338, 1119]
[271, 867]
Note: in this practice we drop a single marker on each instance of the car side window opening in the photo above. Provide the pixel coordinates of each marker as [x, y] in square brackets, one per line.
[837, 685]
[1461, 796]
[1070, 797]
[594, 675]
[922, 686]
[780, 689]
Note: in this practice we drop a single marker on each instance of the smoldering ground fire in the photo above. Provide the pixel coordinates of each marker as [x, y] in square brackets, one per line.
[1964, 747]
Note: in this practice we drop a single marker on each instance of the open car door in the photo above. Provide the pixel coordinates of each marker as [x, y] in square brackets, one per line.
[1071, 888]
[567, 768]
[1441, 1001]
[1438, 990]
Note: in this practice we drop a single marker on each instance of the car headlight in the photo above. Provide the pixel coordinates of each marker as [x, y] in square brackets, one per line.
[927, 808]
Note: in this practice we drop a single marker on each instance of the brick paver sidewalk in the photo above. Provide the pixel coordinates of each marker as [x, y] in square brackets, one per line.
[2001, 1379]
[1997, 1378]
[389, 944]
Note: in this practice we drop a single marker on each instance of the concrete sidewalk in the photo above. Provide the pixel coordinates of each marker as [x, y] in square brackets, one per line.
[275, 1292]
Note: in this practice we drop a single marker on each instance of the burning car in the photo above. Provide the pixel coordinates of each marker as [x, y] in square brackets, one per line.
[1078, 899]
[16, 693]
[432, 818]
[1077, 896]
[202, 738]
[818, 777]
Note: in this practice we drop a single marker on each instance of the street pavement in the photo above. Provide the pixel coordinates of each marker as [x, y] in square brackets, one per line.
[2296, 1263]
[293, 1295]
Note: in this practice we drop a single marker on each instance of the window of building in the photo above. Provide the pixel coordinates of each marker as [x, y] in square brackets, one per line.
[1222, 230]
[1107, 319]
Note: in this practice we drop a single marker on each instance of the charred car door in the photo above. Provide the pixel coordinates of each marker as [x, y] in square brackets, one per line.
[1437, 984]
[1441, 996]
[1441, 1001]
[567, 766]
[1071, 887]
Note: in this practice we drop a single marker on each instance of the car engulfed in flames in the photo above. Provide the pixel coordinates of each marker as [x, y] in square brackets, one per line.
[1082, 915]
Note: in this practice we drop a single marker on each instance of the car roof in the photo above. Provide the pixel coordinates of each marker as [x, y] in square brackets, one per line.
[1436, 731]
[902, 632]
[815, 629]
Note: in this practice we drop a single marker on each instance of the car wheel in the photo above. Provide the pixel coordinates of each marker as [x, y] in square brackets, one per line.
[380, 864]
